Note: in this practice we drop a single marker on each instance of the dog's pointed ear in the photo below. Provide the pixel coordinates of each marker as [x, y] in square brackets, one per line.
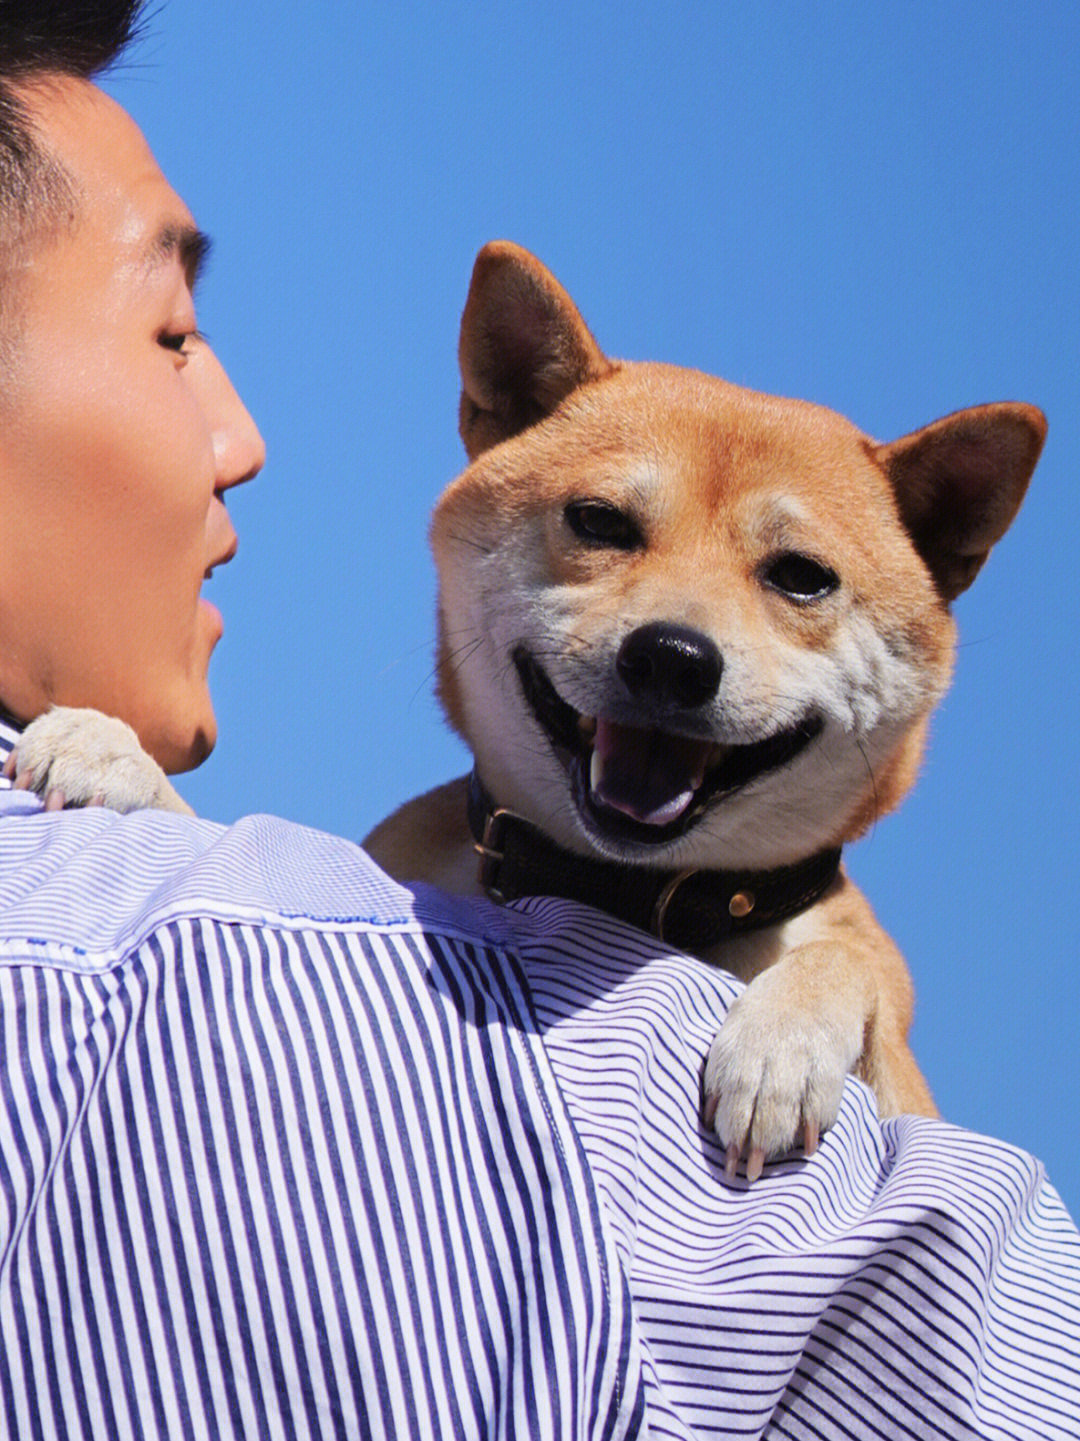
[959, 483]
[524, 347]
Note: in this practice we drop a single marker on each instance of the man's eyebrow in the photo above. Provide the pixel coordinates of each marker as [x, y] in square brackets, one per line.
[179, 241]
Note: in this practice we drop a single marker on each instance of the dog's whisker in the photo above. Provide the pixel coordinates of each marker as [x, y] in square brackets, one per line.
[873, 784]
[466, 540]
[463, 652]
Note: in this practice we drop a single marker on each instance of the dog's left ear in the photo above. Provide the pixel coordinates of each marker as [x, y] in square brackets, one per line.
[959, 483]
[524, 347]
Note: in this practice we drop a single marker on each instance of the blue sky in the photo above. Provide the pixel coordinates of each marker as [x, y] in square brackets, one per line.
[873, 207]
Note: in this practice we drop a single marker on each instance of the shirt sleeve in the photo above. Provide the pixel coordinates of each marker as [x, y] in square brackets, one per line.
[277, 1159]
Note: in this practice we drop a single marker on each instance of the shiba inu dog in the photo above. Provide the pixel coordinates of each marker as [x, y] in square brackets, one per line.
[692, 635]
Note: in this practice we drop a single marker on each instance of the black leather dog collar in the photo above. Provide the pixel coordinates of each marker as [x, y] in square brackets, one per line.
[688, 909]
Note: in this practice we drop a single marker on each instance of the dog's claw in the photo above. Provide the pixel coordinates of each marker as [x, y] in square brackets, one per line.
[9, 765]
[24, 780]
[731, 1161]
[755, 1163]
[55, 800]
[811, 1137]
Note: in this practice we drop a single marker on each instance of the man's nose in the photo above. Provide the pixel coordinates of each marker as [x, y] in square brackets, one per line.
[239, 451]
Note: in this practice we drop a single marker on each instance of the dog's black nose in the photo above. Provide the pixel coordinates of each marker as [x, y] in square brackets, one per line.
[663, 662]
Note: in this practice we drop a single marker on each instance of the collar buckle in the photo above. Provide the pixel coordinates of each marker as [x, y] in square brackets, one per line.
[490, 850]
[664, 900]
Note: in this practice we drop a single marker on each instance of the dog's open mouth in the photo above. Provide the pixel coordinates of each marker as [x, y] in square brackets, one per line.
[647, 786]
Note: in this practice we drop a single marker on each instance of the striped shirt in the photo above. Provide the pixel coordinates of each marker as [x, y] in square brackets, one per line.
[287, 1150]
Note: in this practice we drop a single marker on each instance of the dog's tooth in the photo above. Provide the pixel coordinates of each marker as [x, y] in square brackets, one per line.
[596, 771]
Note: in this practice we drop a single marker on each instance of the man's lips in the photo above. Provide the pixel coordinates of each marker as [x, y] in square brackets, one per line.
[644, 784]
[223, 558]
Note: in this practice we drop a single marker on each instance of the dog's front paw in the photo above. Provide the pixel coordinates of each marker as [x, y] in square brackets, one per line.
[775, 1072]
[74, 757]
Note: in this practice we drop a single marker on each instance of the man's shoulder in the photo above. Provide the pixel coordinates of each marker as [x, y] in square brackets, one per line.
[82, 889]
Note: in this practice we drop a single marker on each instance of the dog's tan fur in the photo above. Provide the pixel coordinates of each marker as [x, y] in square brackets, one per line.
[718, 480]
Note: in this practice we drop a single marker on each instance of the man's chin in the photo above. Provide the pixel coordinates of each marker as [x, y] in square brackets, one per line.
[198, 751]
[181, 734]
[188, 757]
[180, 743]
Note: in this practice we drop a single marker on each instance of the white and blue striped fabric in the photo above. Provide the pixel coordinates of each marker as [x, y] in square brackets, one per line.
[289, 1151]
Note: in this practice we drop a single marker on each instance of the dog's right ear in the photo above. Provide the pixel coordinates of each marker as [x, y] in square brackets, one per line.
[959, 483]
[524, 347]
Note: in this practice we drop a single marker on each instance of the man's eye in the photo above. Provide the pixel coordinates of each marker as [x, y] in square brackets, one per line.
[179, 341]
[599, 523]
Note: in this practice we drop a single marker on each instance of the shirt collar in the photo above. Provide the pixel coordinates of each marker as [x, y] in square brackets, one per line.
[10, 730]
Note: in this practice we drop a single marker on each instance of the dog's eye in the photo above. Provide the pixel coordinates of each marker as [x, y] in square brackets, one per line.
[602, 524]
[801, 578]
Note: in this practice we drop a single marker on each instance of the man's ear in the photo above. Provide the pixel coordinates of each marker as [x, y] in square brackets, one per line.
[959, 483]
[523, 349]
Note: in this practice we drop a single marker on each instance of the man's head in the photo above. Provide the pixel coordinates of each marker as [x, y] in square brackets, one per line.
[119, 431]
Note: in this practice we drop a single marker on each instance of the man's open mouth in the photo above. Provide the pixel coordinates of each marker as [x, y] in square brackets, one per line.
[644, 785]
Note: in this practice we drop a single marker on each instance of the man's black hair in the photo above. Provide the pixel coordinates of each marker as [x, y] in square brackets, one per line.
[41, 38]
[66, 37]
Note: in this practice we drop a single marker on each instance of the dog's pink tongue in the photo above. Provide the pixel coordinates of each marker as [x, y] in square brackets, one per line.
[646, 775]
